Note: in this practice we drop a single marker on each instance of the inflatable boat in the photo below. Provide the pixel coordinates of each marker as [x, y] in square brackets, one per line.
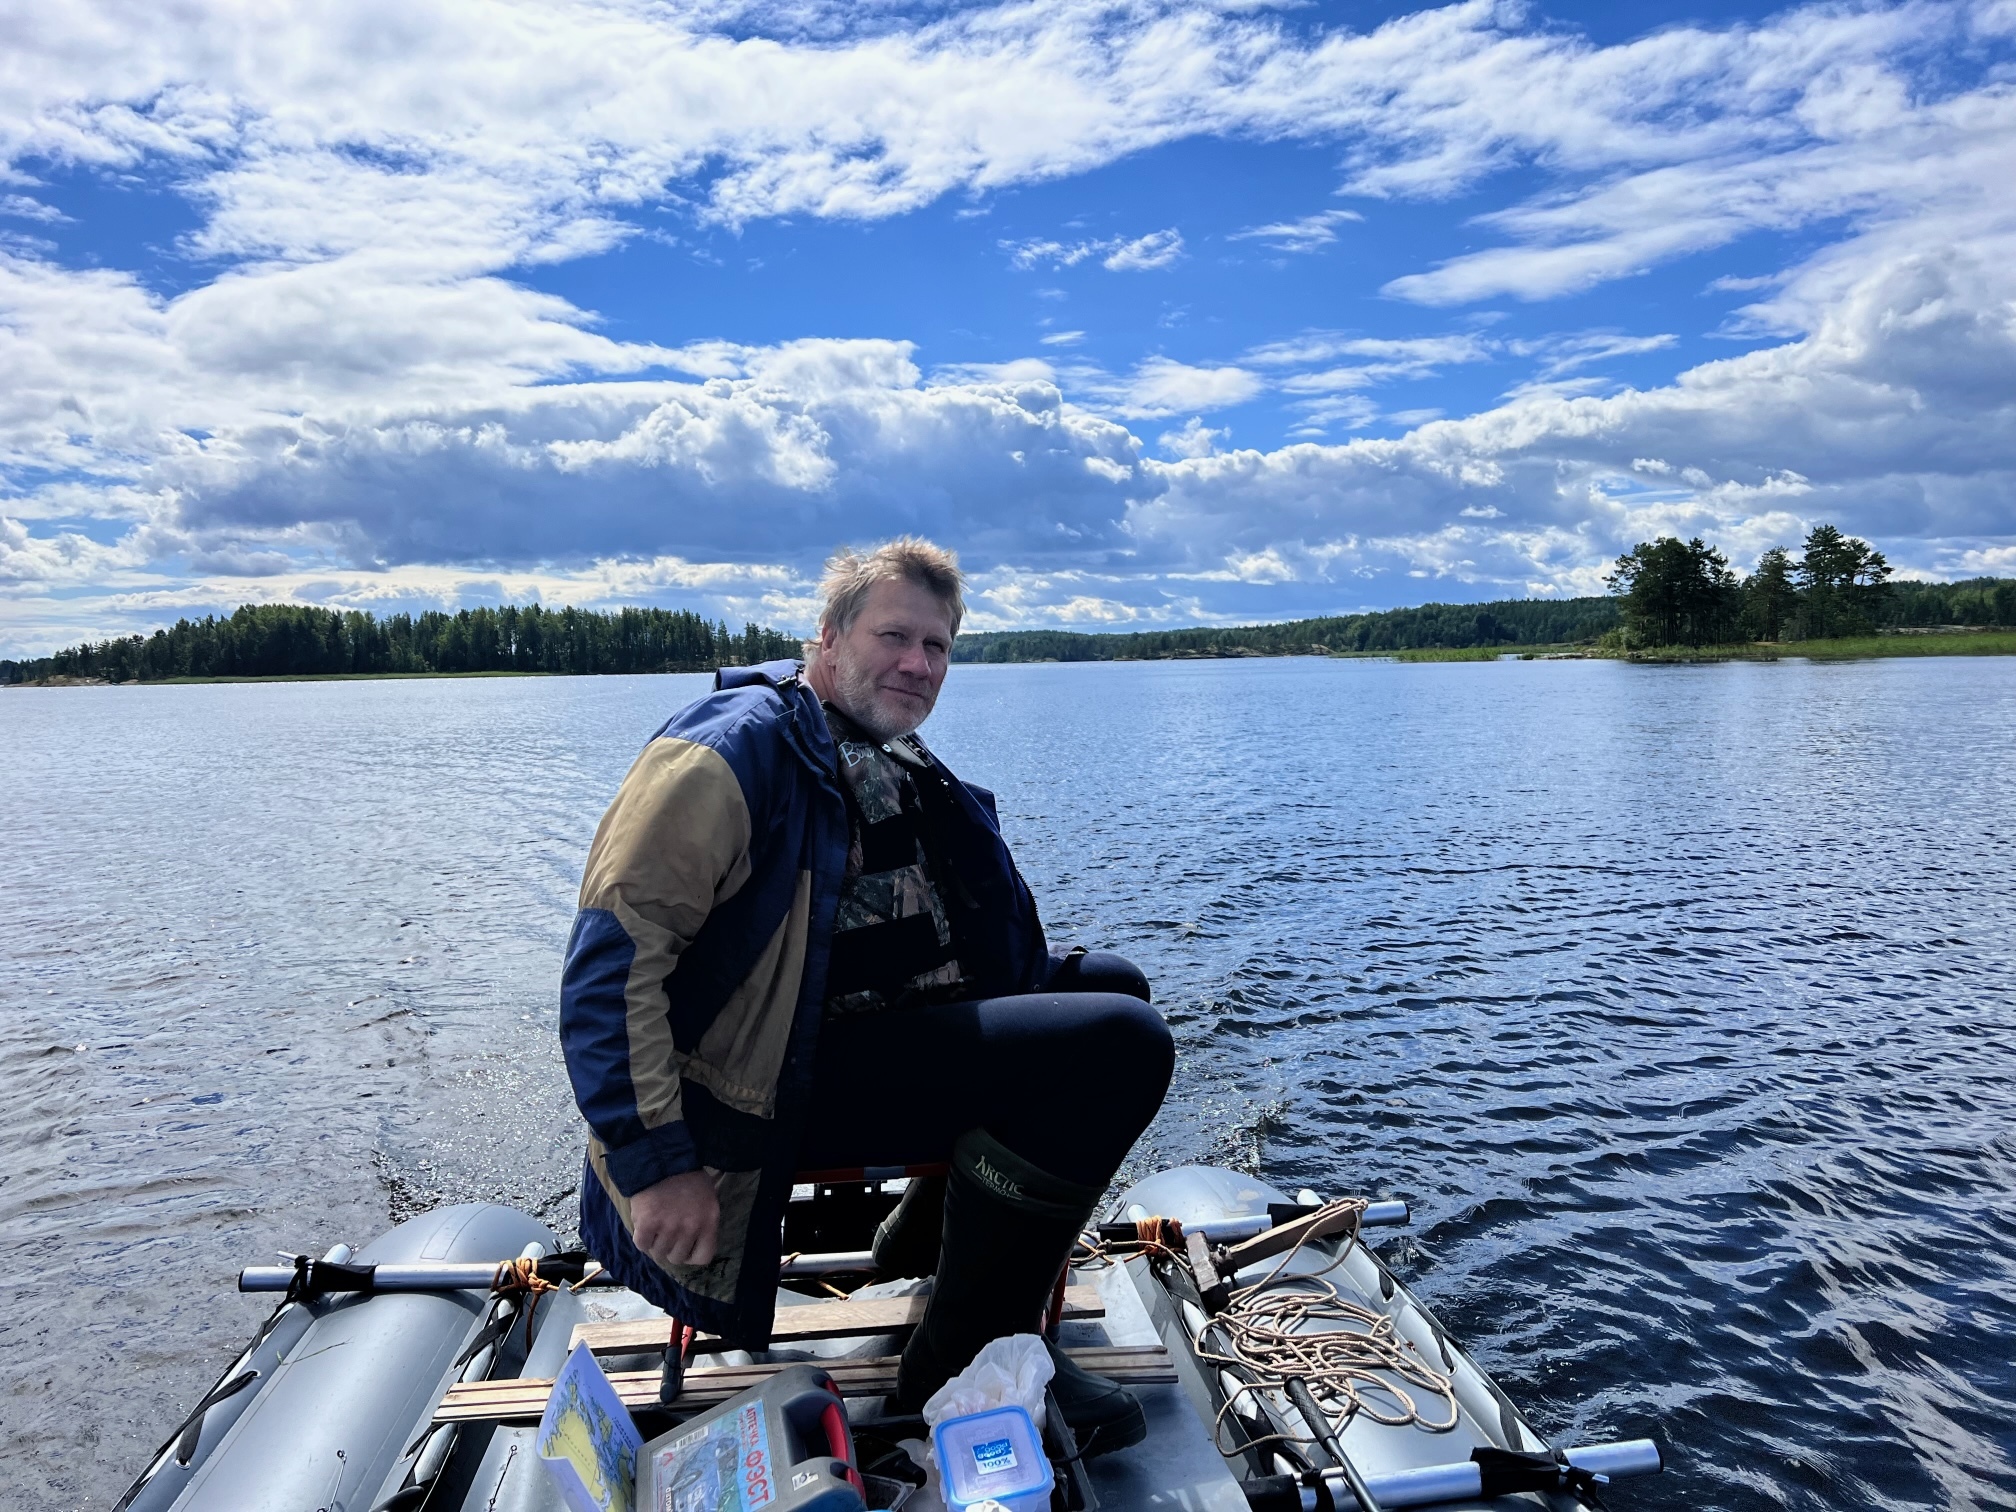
[1281, 1366]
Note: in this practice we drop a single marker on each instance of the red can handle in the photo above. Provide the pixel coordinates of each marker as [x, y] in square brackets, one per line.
[840, 1441]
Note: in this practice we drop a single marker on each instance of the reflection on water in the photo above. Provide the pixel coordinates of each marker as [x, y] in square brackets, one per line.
[1680, 1001]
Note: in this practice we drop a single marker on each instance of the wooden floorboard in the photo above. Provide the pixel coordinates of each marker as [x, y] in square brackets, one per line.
[817, 1320]
[523, 1399]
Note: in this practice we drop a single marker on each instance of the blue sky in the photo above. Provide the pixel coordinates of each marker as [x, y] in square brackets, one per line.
[1159, 313]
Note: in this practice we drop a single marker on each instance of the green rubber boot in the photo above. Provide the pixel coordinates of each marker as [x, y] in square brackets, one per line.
[1103, 1414]
[1009, 1228]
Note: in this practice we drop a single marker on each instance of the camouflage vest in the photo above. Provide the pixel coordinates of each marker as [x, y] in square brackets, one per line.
[892, 942]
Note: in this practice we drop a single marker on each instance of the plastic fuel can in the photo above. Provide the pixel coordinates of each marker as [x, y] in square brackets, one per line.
[781, 1446]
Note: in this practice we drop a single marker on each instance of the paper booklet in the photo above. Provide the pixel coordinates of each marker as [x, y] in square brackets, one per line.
[587, 1440]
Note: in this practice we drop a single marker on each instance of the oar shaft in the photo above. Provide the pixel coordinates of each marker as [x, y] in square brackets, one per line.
[422, 1277]
[477, 1277]
[390, 1277]
[1620, 1461]
[1362, 1495]
[1251, 1225]
[832, 1263]
[1229, 1230]
[1463, 1480]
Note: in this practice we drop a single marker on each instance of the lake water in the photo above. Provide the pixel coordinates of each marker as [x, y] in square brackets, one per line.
[1680, 1001]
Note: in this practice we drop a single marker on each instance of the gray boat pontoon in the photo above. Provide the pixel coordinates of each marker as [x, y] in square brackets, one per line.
[408, 1375]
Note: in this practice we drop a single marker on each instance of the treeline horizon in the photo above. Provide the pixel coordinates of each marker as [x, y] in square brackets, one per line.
[289, 640]
[298, 640]
[1508, 622]
[1984, 601]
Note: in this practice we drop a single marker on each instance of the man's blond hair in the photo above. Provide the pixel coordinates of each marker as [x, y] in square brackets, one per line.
[850, 574]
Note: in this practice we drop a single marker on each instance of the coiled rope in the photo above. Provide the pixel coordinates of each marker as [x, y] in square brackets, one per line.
[522, 1278]
[1300, 1327]
[1157, 1238]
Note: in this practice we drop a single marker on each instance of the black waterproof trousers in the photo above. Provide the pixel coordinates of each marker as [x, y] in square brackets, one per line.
[1067, 1078]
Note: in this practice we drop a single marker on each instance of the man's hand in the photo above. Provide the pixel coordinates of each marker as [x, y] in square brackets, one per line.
[676, 1221]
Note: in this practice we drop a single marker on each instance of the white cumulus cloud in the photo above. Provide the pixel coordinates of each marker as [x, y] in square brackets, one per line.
[352, 371]
[1306, 234]
[1157, 249]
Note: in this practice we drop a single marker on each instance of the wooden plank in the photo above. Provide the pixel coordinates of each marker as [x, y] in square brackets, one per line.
[817, 1320]
[523, 1399]
[1285, 1236]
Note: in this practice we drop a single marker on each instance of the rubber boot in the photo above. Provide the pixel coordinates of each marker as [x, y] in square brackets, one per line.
[906, 1242]
[1103, 1414]
[1009, 1228]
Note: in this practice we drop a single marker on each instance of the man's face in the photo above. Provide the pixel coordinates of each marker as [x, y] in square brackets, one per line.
[884, 672]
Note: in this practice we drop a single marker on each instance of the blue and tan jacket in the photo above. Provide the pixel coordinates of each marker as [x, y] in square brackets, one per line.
[696, 973]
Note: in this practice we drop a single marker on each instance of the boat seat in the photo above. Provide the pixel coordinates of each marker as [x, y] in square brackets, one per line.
[873, 1174]
[815, 1320]
[838, 1208]
[523, 1399]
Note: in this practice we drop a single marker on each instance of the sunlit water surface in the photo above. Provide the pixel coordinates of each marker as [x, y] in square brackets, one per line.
[1681, 1002]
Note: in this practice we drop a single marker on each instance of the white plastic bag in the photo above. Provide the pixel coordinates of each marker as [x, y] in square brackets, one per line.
[1010, 1372]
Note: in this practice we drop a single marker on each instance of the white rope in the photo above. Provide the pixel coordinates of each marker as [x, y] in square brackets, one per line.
[1278, 1329]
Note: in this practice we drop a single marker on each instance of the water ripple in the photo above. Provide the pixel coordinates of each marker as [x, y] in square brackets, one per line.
[1681, 1003]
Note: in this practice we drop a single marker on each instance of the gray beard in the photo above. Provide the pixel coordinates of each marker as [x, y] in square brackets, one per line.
[855, 692]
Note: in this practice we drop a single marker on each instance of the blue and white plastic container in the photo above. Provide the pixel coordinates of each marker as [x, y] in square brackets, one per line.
[993, 1456]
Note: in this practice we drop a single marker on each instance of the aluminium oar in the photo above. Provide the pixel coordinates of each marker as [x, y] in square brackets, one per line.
[1488, 1473]
[306, 1278]
[319, 1278]
[1283, 1219]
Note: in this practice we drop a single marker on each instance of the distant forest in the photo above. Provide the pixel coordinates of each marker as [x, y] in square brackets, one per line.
[1507, 622]
[1668, 592]
[292, 640]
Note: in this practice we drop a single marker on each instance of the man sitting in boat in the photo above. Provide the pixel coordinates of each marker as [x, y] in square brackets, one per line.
[803, 945]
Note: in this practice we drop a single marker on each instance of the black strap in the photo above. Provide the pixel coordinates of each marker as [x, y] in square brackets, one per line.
[1503, 1472]
[885, 956]
[1272, 1493]
[315, 1279]
[191, 1431]
[495, 1327]
[570, 1266]
[889, 845]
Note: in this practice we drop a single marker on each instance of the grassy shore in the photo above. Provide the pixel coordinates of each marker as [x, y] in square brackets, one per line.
[1847, 648]
[1974, 643]
[1452, 654]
